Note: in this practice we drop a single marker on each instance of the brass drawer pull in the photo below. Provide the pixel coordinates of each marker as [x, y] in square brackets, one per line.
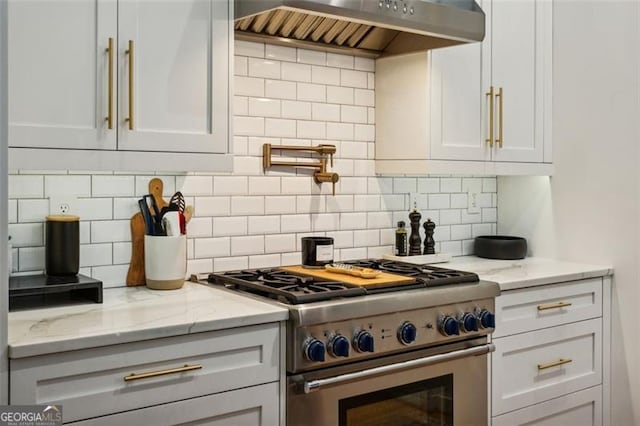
[130, 53]
[554, 306]
[134, 376]
[109, 118]
[552, 364]
[489, 139]
[500, 96]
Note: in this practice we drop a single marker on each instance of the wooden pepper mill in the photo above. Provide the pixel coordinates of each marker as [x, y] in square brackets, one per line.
[414, 239]
[429, 242]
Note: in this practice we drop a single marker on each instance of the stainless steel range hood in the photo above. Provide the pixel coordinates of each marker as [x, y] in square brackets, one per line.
[362, 27]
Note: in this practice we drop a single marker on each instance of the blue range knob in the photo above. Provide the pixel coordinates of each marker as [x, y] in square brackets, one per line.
[407, 333]
[449, 326]
[339, 346]
[363, 341]
[469, 322]
[487, 319]
[314, 350]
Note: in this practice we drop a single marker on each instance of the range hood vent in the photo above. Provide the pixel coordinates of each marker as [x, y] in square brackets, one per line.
[369, 28]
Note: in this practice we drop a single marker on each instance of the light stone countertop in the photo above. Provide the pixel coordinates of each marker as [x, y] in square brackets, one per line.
[528, 272]
[134, 314]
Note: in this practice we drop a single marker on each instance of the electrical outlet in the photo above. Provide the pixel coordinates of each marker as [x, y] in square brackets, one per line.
[473, 193]
[413, 200]
[63, 205]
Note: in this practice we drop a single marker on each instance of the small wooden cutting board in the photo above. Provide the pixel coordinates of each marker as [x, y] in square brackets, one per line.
[383, 280]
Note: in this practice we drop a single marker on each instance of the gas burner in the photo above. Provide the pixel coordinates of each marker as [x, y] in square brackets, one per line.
[285, 286]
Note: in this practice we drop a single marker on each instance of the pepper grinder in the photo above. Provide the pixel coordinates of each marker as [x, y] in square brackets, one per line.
[414, 238]
[429, 242]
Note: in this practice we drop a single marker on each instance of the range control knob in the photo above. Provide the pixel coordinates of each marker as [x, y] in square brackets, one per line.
[363, 341]
[448, 326]
[407, 333]
[468, 322]
[487, 319]
[314, 350]
[339, 346]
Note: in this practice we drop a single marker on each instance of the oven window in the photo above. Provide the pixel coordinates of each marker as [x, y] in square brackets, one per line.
[429, 402]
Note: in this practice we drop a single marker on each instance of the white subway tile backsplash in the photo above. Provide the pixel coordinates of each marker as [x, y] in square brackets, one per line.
[106, 231]
[113, 186]
[26, 186]
[249, 126]
[280, 243]
[31, 259]
[296, 110]
[340, 95]
[212, 247]
[325, 112]
[249, 86]
[264, 107]
[79, 186]
[325, 75]
[280, 128]
[253, 218]
[95, 255]
[253, 244]
[27, 234]
[280, 53]
[278, 89]
[32, 210]
[247, 206]
[312, 57]
[230, 185]
[264, 225]
[249, 48]
[295, 223]
[264, 68]
[95, 208]
[351, 78]
[311, 92]
[296, 72]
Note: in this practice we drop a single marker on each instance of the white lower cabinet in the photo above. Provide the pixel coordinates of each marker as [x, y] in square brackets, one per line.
[550, 366]
[583, 408]
[173, 379]
[253, 406]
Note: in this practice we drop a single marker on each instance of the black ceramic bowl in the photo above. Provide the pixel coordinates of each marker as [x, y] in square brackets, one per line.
[500, 247]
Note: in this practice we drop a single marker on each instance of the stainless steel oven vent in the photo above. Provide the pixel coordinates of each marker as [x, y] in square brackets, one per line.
[363, 27]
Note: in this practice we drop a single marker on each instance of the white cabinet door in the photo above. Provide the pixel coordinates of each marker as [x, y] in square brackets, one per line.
[517, 56]
[58, 73]
[177, 89]
[458, 126]
[253, 406]
[583, 408]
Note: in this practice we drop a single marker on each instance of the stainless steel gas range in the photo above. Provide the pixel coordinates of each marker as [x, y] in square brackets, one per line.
[414, 354]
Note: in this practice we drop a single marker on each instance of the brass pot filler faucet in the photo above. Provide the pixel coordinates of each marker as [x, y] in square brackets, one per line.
[319, 176]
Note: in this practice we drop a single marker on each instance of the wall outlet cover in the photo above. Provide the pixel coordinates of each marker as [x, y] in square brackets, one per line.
[63, 205]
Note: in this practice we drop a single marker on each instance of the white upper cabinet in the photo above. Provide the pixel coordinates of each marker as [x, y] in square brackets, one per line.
[474, 108]
[157, 100]
[58, 73]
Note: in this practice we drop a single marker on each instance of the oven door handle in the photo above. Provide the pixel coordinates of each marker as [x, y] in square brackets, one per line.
[313, 385]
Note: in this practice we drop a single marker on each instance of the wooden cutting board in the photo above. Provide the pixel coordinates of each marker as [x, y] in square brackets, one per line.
[383, 280]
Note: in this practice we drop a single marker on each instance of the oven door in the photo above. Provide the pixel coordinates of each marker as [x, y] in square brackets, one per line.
[435, 387]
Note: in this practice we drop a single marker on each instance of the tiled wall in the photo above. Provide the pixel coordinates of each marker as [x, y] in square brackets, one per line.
[249, 219]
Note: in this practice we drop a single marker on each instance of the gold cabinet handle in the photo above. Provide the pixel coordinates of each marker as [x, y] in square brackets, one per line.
[561, 361]
[130, 53]
[109, 118]
[134, 376]
[554, 306]
[490, 100]
[500, 97]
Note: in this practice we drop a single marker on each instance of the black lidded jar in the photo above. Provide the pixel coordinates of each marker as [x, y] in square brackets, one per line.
[317, 251]
[62, 251]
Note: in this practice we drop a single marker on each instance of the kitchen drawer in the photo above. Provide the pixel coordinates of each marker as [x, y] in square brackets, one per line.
[90, 383]
[519, 376]
[253, 406]
[518, 311]
[583, 408]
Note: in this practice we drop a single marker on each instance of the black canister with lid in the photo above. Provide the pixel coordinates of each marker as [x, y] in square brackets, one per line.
[62, 251]
[317, 251]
